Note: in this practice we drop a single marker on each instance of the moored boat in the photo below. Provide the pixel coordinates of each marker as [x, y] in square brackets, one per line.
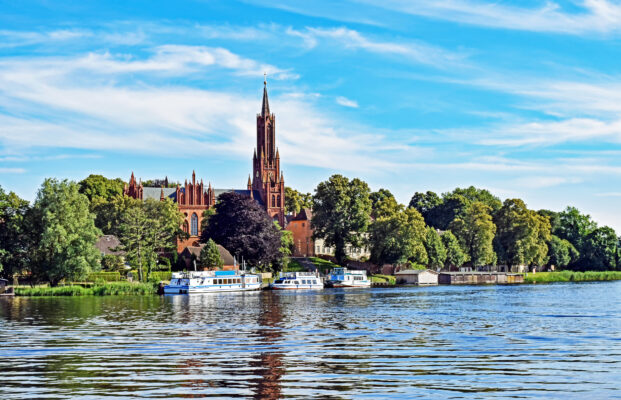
[212, 281]
[297, 280]
[342, 277]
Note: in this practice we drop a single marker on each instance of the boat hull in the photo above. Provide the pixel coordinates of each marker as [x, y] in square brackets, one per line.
[296, 287]
[347, 285]
[209, 289]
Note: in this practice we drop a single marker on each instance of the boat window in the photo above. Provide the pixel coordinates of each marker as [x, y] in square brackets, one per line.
[296, 282]
[314, 282]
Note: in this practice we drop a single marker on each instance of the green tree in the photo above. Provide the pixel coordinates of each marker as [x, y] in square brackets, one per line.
[296, 201]
[436, 252]
[425, 203]
[206, 215]
[14, 239]
[66, 246]
[111, 262]
[475, 232]
[600, 249]
[453, 206]
[472, 194]
[561, 252]
[285, 250]
[341, 213]
[455, 256]
[398, 238]
[383, 204]
[210, 256]
[243, 227]
[109, 214]
[100, 189]
[522, 234]
[575, 227]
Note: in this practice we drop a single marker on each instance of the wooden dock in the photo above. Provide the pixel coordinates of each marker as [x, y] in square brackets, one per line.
[479, 278]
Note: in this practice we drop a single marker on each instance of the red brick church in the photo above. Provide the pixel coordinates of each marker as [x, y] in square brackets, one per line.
[266, 185]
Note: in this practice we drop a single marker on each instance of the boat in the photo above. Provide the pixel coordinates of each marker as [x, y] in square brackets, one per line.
[342, 277]
[297, 280]
[212, 281]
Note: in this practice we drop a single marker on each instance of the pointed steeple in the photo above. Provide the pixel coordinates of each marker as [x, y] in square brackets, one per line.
[265, 109]
[162, 194]
[277, 153]
[249, 183]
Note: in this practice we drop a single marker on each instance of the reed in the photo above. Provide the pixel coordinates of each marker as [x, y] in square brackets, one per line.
[101, 289]
[572, 276]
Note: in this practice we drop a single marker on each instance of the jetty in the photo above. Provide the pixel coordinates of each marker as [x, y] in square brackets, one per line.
[478, 278]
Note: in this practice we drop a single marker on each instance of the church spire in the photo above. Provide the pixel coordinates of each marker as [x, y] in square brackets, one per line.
[265, 110]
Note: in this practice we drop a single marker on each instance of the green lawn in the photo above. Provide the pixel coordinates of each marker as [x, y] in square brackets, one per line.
[391, 280]
[572, 276]
[323, 265]
[294, 266]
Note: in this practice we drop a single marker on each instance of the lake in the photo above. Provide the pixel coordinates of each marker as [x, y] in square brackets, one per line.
[526, 341]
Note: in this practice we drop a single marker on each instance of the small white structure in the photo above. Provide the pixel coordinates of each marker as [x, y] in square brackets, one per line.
[417, 277]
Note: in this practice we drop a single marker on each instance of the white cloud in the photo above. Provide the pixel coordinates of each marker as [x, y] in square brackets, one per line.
[594, 16]
[345, 102]
[12, 170]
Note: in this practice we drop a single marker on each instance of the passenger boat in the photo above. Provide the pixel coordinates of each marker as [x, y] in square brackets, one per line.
[297, 280]
[212, 281]
[342, 277]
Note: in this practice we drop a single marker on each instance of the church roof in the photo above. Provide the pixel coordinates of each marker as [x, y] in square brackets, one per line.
[156, 192]
[265, 109]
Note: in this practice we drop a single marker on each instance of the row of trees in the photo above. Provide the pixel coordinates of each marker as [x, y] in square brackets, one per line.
[463, 226]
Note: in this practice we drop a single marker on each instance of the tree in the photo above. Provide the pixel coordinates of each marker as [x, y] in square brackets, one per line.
[475, 232]
[109, 214]
[149, 227]
[100, 189]
[208, 213]
[600, 250]
[575, 227]
[522, 234]
[426, 203]
[244, 228]
[472, 194]
[455, 256]
[14, 239]
[452, 206]
[112, 262]
[398, 238]
[341, 213]
[286, 248]
[66, 246]
[561, 252]
[383, 204]
[436, 252]
[210, 256]
[296, 201]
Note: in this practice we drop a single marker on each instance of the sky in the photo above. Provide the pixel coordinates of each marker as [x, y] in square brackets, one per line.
[522, 98]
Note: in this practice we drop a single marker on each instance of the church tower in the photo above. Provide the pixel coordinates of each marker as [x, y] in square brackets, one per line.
[267, 179]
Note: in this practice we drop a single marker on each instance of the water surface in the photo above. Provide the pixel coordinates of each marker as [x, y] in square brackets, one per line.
[526, 341]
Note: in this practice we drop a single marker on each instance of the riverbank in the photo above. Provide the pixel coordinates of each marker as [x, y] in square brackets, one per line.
[572, 276]
[103, 289]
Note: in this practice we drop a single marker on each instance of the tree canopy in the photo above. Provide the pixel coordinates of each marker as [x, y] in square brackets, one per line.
[101, 189]
[210, 256]
[14, 235]
[398, 238]
[475, 231]
[341, 213]
[244, 228]
[296, 201]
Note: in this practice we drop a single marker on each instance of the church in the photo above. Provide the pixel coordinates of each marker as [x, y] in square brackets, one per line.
[266, 185]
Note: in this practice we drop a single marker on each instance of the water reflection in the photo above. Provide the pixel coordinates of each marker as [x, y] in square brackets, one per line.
[461, 342]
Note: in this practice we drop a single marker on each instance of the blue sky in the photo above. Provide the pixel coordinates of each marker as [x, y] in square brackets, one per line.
[522, 98]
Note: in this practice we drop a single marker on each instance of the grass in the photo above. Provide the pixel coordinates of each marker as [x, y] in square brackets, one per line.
[294, 266]
[572, 276]
[391, 280]
[323, 265]
[99, 289]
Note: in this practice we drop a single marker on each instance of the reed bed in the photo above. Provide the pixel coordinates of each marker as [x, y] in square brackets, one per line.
[572, 276]
[98, 289]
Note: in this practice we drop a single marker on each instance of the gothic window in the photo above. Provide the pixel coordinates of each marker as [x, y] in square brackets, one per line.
[273, 201]
[186, 229]
[278, 200]
[194, 225]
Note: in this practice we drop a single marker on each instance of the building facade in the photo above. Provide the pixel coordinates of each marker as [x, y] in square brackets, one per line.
[266, 185]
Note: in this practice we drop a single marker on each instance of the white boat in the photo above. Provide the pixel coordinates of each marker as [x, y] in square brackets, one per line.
[212, 281]
[342, 277]
[297, 280]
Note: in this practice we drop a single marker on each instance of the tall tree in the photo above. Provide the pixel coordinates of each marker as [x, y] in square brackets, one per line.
[285, 250]
[475, 232]
[575, 227]
[436, 251]
[600, 250]
[341, 213]
[484, 196]
[425, 203]
[522, 234]
[210, 256]
[452, 206]
[561, 252]
[295, 201]
[398, 237]
[14, 239]
[455, 256]
[101, 189]
[109, 214]
[243, 227]
[383, 204]
[66, 248]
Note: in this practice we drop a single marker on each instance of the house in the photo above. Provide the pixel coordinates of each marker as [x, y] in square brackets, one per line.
[109, 245]
[417, 277]
[300, 227]
[191, 253]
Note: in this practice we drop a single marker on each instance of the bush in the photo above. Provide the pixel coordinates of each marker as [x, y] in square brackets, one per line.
[572, 276]
[111, 262]
[104, 276]
[391, 280]
[163, 264]
[157, 276]
[106, 289]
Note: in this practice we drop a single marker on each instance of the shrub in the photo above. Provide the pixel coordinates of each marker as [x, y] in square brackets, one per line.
[157, 276]
[111, 262]
[104, 276]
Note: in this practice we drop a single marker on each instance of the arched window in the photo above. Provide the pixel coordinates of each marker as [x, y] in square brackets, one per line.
[194, 225]
[278, 200]
[273, 201]
[186, 228]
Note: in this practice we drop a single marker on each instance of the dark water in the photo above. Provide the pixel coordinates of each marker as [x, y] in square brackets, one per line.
[551, 341]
